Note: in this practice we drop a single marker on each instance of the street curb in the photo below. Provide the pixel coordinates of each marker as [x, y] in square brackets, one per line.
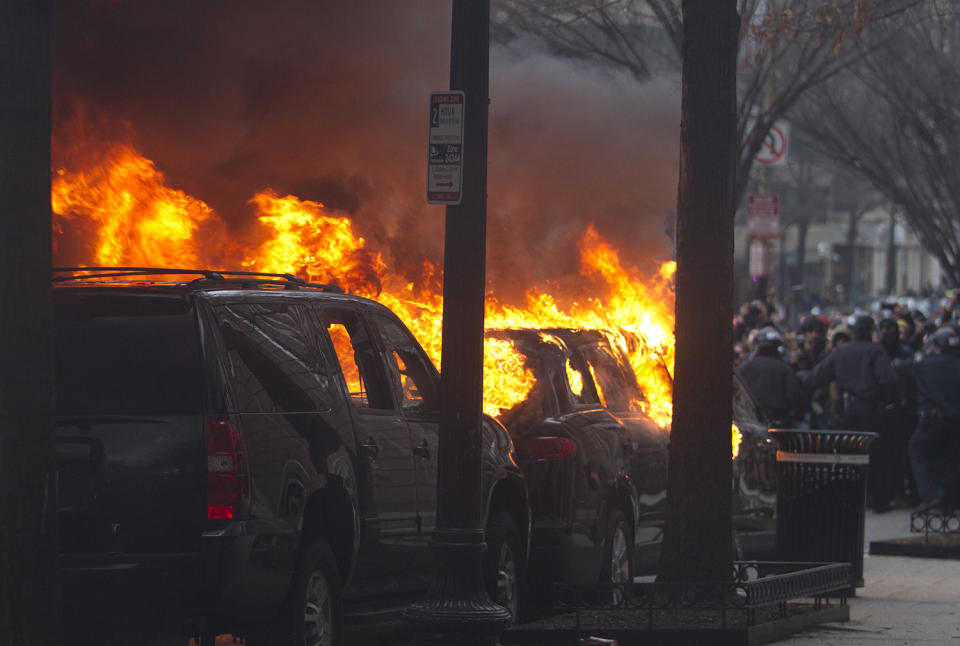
[934, 546]
[764, 633]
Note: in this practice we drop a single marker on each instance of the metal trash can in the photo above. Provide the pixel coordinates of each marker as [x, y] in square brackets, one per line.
[822, 496]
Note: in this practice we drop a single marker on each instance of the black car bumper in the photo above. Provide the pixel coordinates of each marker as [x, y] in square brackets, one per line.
[115, 597]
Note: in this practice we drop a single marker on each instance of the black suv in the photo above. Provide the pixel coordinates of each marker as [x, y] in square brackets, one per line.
[250, 453]
[596, 467]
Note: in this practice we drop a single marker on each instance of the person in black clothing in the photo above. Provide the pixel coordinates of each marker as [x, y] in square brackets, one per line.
[748, 319]
[773, 382]
[903, 416]
[815, 331]
[868, 386]
[935, 445]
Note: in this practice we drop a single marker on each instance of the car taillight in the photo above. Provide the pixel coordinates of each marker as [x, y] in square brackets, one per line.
[555, 447]
[545, 448]
[228, 482]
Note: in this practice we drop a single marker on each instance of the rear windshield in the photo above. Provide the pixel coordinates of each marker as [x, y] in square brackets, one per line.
[122, 354]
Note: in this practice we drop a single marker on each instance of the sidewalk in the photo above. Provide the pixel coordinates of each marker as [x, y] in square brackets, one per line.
[904, 600]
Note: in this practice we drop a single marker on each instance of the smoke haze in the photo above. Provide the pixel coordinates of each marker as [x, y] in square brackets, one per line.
[328, 101]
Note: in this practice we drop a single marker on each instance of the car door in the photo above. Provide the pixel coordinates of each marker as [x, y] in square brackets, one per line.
[754, 466]
[416, 385]
[279, 393]
[646, 443]
[385, 465]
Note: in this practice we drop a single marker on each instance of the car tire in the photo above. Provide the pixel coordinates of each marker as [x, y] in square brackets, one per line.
[503, 563]
[313, 612]
[617, 566]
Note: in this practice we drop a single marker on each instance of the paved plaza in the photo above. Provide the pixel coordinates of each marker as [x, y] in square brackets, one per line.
[904, 600]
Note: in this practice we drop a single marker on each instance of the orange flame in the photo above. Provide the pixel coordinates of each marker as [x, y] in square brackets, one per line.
[122, 201]
[303, 238]
[136, 217]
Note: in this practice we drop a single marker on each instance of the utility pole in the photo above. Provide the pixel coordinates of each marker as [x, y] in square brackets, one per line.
[29, 591]
[457, 609]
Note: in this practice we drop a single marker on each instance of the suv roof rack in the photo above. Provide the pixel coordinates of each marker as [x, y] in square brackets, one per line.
[207, 277]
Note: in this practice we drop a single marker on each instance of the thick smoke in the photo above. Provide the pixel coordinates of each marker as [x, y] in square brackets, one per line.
[328, 101]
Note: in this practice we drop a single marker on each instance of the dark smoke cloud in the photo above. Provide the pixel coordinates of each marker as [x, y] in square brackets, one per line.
[327, 101]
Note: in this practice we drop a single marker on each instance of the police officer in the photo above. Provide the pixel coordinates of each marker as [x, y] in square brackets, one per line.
[935, 445]
[773, 382]
[903, 418]
[867, 385]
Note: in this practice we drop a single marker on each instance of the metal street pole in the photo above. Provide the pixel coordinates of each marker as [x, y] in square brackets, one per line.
[457, 609]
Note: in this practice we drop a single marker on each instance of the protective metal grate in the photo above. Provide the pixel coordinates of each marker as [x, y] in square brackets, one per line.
[755, 585]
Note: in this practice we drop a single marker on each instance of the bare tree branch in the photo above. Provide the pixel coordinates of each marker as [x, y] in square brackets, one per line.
[786, 47]
[894, 117]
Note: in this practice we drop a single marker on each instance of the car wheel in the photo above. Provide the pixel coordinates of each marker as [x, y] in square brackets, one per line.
[617, 553]
[503, 563]
[313, 615]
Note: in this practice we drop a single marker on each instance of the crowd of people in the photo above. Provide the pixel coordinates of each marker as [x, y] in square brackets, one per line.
[895, 372]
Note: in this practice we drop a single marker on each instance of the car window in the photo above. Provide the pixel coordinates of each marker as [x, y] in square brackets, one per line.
[612, 378]
[127, 354]
[413, 377]
[744, 408]
[581, 382]
[367, 385]
[545, 357]
[274, 360]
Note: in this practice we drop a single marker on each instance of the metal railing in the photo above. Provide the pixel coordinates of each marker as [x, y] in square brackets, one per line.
[934, 521]
[755, 585]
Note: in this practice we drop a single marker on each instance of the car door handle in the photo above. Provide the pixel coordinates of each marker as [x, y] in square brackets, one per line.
[370, 449]
[422, 449]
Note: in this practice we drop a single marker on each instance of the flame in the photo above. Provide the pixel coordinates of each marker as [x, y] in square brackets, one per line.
[638, 311]
[736, 440]
[136, 217]
[301, 236]
[131, 217]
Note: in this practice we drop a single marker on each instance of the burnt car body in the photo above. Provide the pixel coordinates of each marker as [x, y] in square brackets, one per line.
[236, 452]
[596, 465]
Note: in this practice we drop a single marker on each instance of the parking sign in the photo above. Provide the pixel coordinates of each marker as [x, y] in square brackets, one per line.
[445, 148]
[763, 216]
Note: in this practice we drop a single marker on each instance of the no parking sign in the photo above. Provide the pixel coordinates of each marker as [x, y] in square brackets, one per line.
[773, 151]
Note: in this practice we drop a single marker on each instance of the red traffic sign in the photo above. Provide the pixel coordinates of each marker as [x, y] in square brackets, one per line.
[445, 148]
[773, 150]
[763, 216]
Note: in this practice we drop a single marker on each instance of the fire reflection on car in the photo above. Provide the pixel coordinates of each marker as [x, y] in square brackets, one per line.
[587, 446]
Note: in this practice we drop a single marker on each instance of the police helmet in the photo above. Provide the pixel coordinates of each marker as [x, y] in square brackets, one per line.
[768, 337]
[947, 339]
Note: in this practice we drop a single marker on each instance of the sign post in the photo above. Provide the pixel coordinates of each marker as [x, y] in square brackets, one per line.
[445, 158]
[763, 225]
[763, 216]
[457, 609]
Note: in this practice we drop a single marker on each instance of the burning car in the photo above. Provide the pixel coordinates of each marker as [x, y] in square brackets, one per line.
[596, 462]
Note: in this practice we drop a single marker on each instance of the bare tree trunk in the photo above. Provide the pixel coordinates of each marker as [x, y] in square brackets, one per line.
[799, 270]
[29, 593]
[851, 259]
[892, 254]
[697, 537]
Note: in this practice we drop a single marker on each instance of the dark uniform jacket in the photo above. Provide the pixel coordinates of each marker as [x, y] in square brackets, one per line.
[860, 368]
[938, 385]
[776, 387]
